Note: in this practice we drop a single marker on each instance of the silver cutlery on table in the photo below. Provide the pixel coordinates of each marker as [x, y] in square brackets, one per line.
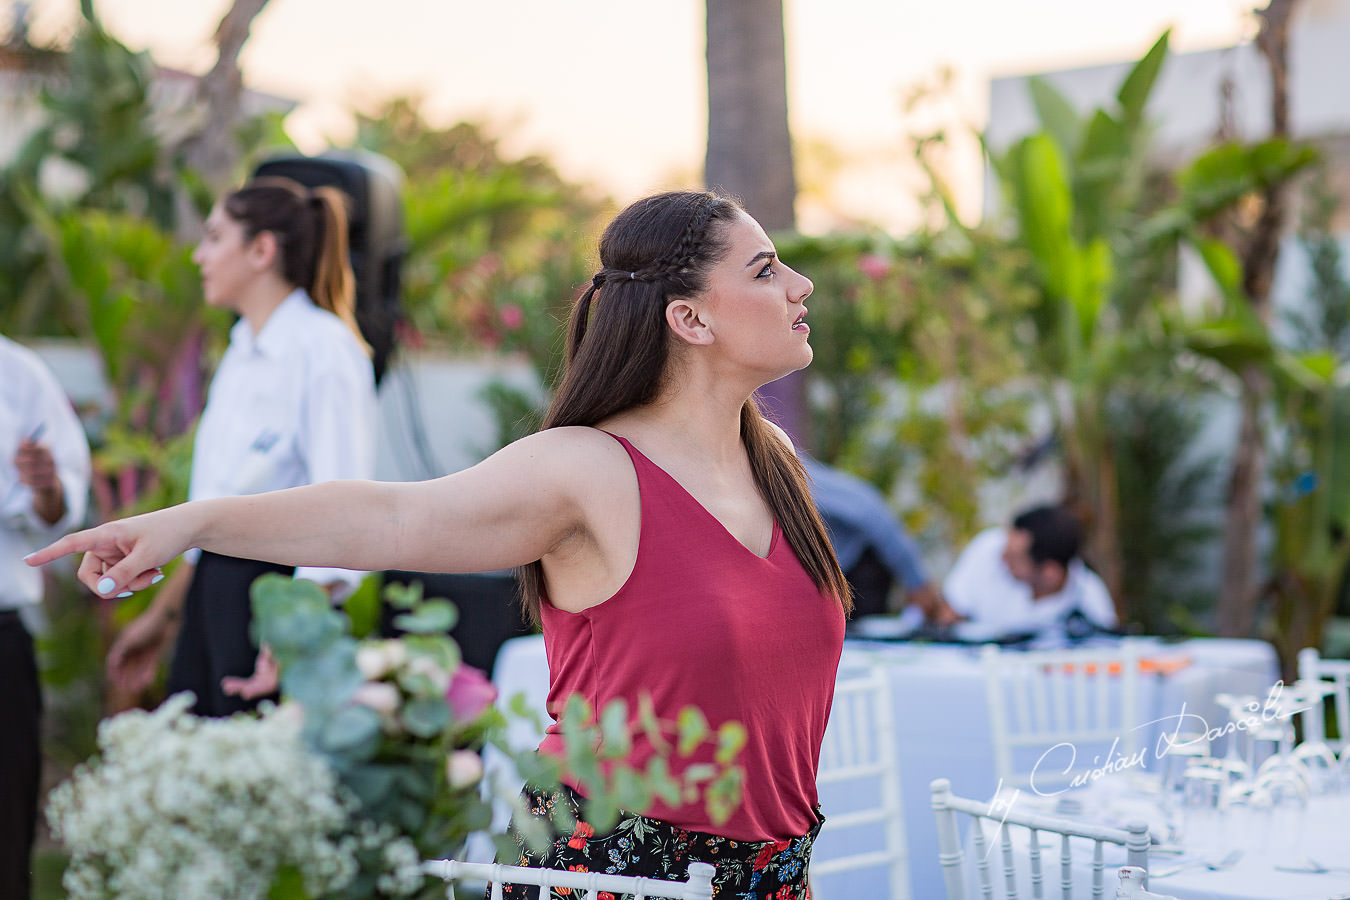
[1213, 865]
[1310, 866]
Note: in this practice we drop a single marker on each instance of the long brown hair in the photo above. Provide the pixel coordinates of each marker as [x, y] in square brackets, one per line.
[310, 227]
[659, 248]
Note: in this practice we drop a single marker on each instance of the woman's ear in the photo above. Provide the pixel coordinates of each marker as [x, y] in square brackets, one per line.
[689, 321]
[263, 250]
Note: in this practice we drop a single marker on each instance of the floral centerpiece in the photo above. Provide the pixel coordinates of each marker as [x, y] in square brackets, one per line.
[370, 765]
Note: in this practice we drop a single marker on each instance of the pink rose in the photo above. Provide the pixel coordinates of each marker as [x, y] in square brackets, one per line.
[512, 316]
[873, 266]
[469, 693]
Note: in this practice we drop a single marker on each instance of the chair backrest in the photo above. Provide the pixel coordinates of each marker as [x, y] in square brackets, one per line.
[859, 775]
[697, 887]
[1133, 837]
[1086, 700]
[1312, 667]
[1131, 887]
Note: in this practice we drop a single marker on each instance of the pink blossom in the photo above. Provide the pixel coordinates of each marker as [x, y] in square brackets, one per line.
[512, 316]
[469, 693]
[873, 266]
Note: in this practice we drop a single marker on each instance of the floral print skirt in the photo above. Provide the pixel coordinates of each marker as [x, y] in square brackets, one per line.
[637, 845]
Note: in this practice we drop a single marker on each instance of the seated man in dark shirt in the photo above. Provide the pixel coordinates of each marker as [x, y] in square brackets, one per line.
[874, 549]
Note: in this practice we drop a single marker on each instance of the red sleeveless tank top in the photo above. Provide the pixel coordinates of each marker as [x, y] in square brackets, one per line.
[703, 621]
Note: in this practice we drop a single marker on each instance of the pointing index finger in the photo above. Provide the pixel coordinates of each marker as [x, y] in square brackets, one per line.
[57, 549]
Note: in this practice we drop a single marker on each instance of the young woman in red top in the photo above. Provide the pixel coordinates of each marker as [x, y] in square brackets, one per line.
[669, 541]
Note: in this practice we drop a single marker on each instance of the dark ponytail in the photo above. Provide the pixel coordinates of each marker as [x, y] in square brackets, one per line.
[618, 349]
[310, 227]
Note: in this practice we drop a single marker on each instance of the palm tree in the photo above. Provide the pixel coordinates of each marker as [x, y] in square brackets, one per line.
[749, 145]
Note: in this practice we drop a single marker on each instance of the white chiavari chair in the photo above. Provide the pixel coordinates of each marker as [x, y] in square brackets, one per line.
[697, 887]
[858, 758]
[946, 805]
[1312, 667]
[1084, 699]
[1131, 886]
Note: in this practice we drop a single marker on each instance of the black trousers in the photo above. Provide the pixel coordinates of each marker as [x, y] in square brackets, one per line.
[20, 756]
[214, 639]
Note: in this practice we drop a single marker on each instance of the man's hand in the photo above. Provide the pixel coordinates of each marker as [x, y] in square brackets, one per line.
[935, 608]
[37, 470]
[266, 678]
[135, 654]
[134, 657]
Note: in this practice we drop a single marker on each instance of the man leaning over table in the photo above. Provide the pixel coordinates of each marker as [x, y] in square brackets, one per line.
[1028, 577]
[44, 484]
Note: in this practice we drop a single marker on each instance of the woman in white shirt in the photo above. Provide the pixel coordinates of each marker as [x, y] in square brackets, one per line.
[292, 403]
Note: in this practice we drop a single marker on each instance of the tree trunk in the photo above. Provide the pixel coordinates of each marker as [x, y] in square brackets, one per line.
[213, 152]
[1239, 594]
[750, 146]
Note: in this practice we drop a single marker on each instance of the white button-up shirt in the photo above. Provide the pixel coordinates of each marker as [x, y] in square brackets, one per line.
[980, 587]
[292, 405]
[32, 403]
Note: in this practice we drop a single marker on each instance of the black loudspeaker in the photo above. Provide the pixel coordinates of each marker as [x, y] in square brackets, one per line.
[372, 184]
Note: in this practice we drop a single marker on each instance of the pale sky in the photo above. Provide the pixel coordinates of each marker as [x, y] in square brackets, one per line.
[614, 91]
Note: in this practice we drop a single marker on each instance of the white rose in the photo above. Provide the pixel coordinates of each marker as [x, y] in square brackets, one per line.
[372, 661]
[396, 653]
[425, 665]
[377, 660]
[380, 696]
[463, 768]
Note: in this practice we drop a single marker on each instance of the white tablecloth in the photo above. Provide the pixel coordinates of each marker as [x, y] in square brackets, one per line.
[941, 723]
[1319, 834]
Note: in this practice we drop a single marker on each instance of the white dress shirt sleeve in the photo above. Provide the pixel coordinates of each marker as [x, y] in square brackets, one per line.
[1094, 597]
[63, 435]
[31, 400]
[975, 574]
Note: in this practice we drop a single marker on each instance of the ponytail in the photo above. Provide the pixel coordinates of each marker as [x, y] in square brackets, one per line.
[332, 285]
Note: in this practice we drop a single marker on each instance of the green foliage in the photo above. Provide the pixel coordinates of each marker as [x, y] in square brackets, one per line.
[917, 361]
[1108, 332]
[384, 713]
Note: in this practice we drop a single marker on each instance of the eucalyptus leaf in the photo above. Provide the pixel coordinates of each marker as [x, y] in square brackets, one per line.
[353, 731]
[403, 596]
[371, 782]
[731, 738]
[425, 716]
[630, 791]
[692, 727]
[616, 738]
[323, 682]
[431, 617]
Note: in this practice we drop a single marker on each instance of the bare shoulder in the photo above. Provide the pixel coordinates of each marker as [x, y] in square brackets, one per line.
[580, 461]
[572, 446]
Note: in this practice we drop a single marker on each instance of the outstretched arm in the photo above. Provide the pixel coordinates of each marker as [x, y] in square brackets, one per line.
[514, 507]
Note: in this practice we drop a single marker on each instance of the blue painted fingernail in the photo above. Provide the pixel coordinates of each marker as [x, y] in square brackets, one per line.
[157, 579]
[106, 585]
[30, 556]
[124, 595]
